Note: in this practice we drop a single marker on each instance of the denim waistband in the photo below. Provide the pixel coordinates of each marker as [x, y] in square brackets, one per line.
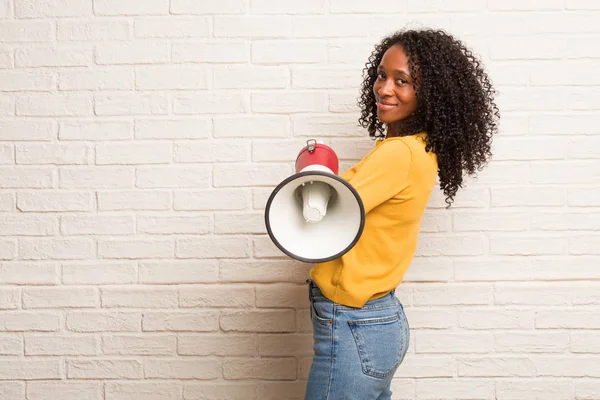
[314, 291]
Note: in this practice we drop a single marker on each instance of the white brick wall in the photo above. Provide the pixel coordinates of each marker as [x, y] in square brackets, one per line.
[140, 139]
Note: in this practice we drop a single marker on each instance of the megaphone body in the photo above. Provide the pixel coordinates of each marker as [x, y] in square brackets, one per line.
[315, 215]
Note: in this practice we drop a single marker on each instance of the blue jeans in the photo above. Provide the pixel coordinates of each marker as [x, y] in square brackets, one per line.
[356, 350]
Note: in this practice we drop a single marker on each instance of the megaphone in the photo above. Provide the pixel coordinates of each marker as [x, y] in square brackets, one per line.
[314, 215]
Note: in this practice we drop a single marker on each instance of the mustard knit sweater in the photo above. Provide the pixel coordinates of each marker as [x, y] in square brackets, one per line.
[394, 182]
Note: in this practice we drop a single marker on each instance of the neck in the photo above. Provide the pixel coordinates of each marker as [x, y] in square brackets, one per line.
[407, 126]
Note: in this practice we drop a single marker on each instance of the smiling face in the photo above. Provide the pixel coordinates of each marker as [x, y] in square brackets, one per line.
[394, 92]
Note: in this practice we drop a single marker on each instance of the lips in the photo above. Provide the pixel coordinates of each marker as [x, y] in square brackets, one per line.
[385, 106]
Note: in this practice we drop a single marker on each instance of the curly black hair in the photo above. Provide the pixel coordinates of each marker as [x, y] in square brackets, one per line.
[455, 102]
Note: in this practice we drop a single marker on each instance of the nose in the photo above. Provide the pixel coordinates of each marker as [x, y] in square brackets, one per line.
[386, 88]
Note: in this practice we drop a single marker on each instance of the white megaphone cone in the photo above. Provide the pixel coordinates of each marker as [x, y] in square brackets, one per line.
[314, 215]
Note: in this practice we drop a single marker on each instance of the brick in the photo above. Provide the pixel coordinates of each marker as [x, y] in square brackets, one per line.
[456, 245]
[348, 52]
[57, 154]
[131, 7]
[286, 102]
[180, 224]
[26, 177]
[263, 246]
[330, 77]
[562, 125]
[547, 342]
[60, 297]
[565, 221]
[134, 200]
[582, 172]
[229, 296]
[7, 154]
[430, 318]
[528, 389]
[196, 7]
[98, 273]
[525, 5]
[583, 196]
[7, 202]
[30, 369]
[196, 128]
[6, 58]
[213, 199]
[587, 389]
[567, 366]
[12, 390]
[197, 321]
[527, 245]
[212, 152]
[231, 391]
[212, 247]
[8, 249]
[26, 81]
[579, 72]
[97, 79]
[103, 321]
[496, 24]
[252, 26]
[490, 269]
[135, 248]
[584, 342]
[29, 321]
[7, 105]
[173, 177]
[252, 127]
[61, 55]
[171, 27]
[91, 29]
[131, 104]
[227, 51]
[95, 177]
[217, 345]
[229, 175]
[52, 8]
[63, 201]
[453, 295]
[64, 391]
[344, 101]
[202, 271]
[132, 52]
[133, 153]
[251, 77]
[182, 369]
[435, 389]
[170, 78]
[266, 368]
[210, 103]
[279, 52]
[54, 105]
[104, 369]
[525, 148]
[582, 47]
[496, 367]
[330, 26]
[255, 271]
[234, 223]
[453, 342]
[258, 321]
[328, 125]
[583, 147]
[61, 345]
[101, 130]
[285, 345]
[38, 130]
[545, 196]
[286, 296]
[141, 390]
[10, 345]
[97, 225]
[28, 226]
[584, 245]
[489, 221]
[533, 293]
[305, 7]
[10, 298]
[571, 319]
[287, 150]
[139, 345]
[20, 273]
[139, 297]
[61, 249]
[357, 6]
[527, 48]
[427, 367]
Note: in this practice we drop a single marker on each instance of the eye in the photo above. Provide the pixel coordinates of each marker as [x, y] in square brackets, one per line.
[380, 75]
[401, 81]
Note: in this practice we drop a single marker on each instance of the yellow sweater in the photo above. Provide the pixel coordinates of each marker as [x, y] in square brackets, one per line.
[394, 182]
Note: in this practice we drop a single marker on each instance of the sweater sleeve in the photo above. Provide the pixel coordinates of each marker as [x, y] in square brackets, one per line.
[383, 174]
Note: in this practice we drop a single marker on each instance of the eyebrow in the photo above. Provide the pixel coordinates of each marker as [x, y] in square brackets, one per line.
[403, 72]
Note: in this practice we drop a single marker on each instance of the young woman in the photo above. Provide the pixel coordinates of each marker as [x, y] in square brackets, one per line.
[430, 104]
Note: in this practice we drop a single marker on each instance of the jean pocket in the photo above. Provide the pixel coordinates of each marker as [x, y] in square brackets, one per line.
[317, 313]
[381, 342]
